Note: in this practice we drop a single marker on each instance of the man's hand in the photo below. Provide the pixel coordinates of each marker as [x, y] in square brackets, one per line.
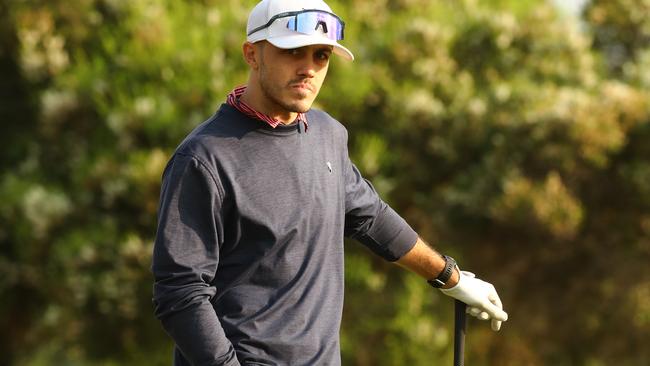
[481, 298]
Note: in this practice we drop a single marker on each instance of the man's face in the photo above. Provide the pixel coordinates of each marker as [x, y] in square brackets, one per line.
[290, 79]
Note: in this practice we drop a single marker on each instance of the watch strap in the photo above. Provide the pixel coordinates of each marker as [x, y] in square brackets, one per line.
[445, 275]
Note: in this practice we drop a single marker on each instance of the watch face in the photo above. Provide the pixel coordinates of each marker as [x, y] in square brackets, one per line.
[444, 276]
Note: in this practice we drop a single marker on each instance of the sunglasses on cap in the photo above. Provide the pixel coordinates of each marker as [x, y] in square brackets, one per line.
[309, 21]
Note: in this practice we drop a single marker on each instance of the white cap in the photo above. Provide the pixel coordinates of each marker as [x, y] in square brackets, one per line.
[279, 35]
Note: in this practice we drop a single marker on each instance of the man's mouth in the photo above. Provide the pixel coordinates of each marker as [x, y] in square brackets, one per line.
[303, 87]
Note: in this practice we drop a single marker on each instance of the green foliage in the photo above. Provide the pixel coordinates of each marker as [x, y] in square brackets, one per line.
[621, 30]
[508, 136]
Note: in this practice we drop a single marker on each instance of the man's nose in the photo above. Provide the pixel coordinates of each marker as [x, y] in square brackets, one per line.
[307, 67]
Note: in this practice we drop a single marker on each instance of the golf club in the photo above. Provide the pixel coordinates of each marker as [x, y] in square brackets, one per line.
[460, 327]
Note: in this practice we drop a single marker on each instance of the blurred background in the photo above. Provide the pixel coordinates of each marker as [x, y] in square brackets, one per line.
[513, 135]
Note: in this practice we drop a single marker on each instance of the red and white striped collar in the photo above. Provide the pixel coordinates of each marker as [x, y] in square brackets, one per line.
[235, 101]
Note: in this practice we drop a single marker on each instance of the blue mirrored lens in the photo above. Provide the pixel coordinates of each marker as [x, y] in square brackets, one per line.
[314, 21]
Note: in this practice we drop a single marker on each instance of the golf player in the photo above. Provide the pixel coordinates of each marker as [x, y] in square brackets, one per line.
[256, 202]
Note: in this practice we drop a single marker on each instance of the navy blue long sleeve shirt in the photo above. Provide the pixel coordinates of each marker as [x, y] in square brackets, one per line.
[248, 257]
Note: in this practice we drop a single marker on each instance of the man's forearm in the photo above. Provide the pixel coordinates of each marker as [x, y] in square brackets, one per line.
[426, 262]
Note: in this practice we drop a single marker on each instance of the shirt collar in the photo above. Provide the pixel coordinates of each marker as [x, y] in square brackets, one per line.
[235, 101]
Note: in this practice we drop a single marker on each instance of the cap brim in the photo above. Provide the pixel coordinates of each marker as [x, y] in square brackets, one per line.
[302, 40]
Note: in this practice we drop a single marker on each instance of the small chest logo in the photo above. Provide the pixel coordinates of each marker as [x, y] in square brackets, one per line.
[329, 166]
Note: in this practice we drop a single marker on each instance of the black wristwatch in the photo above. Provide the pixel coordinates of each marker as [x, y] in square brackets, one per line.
[445, 275]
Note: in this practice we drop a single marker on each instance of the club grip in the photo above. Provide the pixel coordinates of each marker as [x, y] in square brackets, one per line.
[460, 327]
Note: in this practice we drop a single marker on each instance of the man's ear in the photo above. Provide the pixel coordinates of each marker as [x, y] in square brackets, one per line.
[251, 54]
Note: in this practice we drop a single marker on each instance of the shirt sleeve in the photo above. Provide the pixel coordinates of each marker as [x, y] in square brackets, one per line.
[185, 259]
[371, 221]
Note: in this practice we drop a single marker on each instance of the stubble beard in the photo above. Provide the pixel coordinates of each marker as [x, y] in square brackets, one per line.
[273, 93]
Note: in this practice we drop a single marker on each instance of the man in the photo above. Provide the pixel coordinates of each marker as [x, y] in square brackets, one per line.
[256, 201]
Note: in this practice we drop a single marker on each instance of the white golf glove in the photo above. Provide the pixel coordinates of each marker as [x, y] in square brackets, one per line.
[481, 298]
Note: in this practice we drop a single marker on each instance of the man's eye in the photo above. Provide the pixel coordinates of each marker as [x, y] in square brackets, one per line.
[323, 56]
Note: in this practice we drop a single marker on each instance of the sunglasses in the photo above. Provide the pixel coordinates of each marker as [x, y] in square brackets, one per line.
[309, 21]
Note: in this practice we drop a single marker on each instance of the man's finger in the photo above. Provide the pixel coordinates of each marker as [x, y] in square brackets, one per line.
[495, 312]
[496, 325]
[474, 311]
[494, 298]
